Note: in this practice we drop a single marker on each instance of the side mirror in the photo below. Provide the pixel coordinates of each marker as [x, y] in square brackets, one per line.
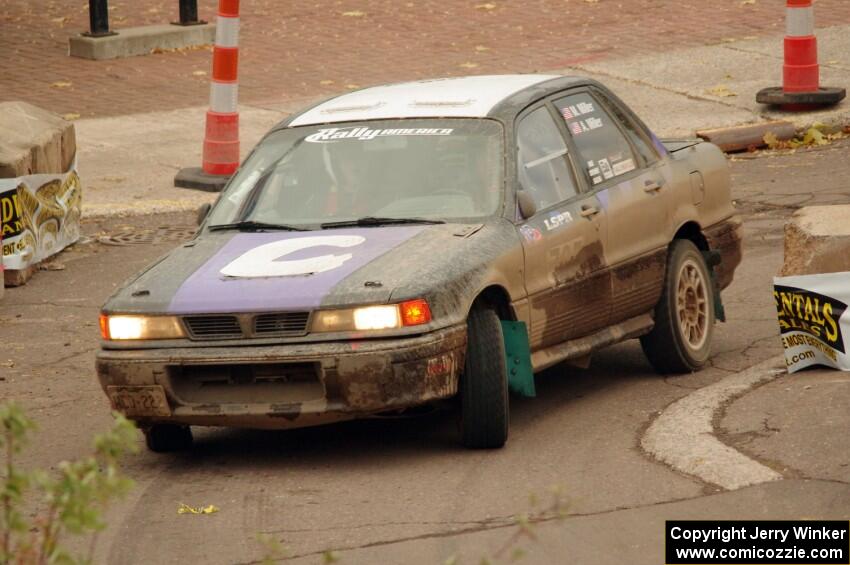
[527, 206]
[202, 212]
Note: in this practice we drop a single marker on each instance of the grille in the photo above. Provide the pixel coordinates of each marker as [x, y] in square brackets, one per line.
[213, 327]
[289, 323]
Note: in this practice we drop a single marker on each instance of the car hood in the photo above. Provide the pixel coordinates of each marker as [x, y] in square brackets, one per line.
[234, 272]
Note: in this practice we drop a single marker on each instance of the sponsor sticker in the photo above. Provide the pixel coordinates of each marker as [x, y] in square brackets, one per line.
[593, 172]
[597, 180]
[623, 167]
[557, 219]
[605, 167]
[530, 233]
[267, 259]
[813, 320]
[359, 133]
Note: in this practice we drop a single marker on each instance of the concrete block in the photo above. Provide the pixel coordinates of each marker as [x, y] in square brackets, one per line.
[18, 277]
[817, 240]
[34, 141]
[134, 41]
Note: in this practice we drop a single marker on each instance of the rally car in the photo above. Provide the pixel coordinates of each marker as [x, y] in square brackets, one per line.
[409, 244]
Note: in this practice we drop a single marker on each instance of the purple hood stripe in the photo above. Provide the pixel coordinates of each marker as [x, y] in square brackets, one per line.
[207, 290]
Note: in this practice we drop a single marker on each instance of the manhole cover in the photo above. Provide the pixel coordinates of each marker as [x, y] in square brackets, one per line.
[147, 236]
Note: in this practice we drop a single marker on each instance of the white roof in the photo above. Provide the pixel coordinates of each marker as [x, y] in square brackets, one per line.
[466, 97]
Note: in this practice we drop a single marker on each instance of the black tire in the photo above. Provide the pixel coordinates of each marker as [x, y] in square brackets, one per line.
[670, 348]
[484, 410]
[164, 438]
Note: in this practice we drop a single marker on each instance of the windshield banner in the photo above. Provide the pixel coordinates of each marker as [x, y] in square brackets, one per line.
[813, 319]
[40, 216]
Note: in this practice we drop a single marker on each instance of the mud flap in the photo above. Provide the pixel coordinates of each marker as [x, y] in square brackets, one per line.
[518, 359]
[713, 258]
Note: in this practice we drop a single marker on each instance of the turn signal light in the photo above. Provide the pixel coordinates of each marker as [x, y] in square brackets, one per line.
[104, 326]
[415, 312]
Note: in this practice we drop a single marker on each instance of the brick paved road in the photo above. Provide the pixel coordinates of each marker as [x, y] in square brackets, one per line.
[301, 48]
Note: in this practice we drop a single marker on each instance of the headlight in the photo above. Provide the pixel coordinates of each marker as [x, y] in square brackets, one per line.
[384, 317]
[125, 327]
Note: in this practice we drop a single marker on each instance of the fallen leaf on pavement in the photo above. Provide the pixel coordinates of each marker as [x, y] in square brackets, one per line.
[71, 116]
[747, 2]
[200, 73]
[354, 14]
[186, 509]
[61, 84]
[487, 6]
[481, 48]
[721, 91]
[469, 65]
[326, 82]
[771, 140]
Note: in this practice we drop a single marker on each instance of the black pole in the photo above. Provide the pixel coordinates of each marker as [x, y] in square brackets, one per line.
[189, 13]
[98, 19]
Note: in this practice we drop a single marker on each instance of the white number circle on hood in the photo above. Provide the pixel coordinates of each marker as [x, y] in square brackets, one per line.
[264, 261]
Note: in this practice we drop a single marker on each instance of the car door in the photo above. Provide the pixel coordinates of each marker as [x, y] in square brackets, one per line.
[568, 285]
[624, 169]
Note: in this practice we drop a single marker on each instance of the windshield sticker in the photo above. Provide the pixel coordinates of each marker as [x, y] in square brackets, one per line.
[594, 172]
[530, 233]
[581, 126]
[623, 167]
[597, 180]
[605, 166]
[557, 220]
[580, 109]
[331, 135]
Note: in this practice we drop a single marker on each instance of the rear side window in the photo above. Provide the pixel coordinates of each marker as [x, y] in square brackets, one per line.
[544, 170]
[639, 140]
[603, 149]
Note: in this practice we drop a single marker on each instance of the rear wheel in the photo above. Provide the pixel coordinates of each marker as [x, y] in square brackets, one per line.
[684, 317]
[484, 410]
[163, 438]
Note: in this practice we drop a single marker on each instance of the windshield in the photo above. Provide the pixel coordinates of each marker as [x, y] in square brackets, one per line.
[428, 169]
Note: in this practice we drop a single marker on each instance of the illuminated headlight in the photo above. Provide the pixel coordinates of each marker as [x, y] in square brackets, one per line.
[123, 327]
[384, 317]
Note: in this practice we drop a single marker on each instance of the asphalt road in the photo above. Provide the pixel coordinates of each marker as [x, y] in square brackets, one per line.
[405, 491]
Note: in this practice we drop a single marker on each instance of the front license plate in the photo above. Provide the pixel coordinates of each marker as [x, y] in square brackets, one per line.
[139, 400]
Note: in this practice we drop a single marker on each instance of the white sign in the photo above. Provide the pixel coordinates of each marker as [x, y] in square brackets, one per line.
[264, 261]
[813, 320]
[40, 216]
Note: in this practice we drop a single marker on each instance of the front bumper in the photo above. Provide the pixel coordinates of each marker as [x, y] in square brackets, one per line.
[288, 385]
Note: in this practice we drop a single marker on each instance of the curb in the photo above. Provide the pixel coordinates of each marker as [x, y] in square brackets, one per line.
[683, 434]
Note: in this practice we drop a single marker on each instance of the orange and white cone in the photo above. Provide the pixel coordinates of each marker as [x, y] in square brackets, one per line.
[801, 89]
[221, 138]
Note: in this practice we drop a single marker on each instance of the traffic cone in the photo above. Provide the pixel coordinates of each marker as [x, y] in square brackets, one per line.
[801, 89]
[221, 137]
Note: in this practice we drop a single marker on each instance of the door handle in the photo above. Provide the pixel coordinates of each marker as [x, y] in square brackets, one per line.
[589, 211]
[651, 186]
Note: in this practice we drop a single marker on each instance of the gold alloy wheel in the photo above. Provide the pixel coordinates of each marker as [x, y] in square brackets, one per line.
[692, 304]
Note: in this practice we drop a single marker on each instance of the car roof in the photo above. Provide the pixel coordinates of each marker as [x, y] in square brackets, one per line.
[463, 97]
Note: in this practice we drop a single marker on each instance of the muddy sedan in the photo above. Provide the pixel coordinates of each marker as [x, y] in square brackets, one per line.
[415, 243]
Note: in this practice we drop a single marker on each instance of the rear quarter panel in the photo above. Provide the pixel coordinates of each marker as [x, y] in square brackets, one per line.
[716, 199]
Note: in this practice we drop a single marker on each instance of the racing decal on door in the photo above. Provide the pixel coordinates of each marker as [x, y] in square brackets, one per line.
[261, 272]
[267, 260]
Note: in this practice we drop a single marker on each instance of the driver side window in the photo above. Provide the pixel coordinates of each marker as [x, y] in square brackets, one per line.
[544, 169]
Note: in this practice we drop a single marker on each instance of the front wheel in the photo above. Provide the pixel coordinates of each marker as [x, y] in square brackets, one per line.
[684, 317]
[484, 410]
